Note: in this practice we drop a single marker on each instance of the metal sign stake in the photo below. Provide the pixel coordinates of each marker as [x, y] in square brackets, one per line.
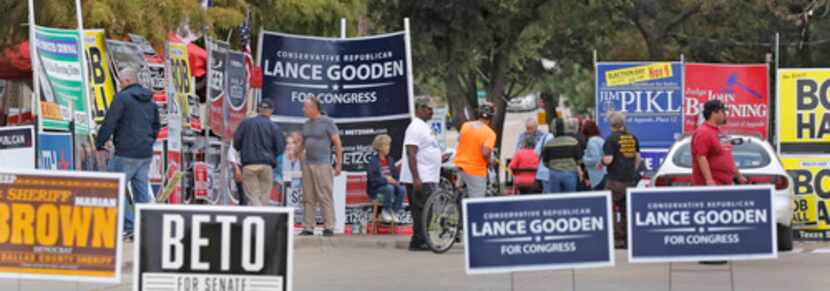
[731, 275]
[573, 279]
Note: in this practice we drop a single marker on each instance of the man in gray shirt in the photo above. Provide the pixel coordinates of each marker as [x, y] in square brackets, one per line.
[319, 134]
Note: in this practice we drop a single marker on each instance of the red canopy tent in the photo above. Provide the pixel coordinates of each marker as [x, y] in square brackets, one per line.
[16, 61]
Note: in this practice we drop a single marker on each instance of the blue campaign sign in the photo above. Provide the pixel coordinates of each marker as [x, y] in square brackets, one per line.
[54, 151]
[649, 94]
[681, 224]
[653, 158]
[538, 232]
[353, 78]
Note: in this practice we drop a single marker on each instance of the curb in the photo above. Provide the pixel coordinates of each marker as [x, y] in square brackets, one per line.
[351, 242]
[356, 242]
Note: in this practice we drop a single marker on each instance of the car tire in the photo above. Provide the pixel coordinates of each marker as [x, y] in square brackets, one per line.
[785, 237]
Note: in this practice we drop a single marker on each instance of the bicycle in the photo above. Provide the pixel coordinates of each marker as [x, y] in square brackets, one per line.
[442, 213]
[442, 217]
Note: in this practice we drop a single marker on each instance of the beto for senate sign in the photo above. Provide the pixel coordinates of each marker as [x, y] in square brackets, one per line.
[538, 232]
[701, 223]
[213, 248]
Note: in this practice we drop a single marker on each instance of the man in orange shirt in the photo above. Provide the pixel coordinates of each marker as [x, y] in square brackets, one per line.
[473, 153]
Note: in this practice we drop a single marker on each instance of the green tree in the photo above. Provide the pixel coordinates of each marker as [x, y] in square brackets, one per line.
[472, 45]
[152, 19]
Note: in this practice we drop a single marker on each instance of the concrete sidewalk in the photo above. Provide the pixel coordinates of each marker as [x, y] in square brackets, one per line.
[382, 263]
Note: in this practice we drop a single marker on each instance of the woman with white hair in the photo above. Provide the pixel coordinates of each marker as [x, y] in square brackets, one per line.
[383, 179]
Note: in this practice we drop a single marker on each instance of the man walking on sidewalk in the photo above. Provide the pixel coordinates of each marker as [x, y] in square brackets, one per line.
[259, 141]
[712, 162]
[133, 122]
[319, 134]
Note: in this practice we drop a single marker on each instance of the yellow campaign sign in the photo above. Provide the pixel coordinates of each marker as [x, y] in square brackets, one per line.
[61, 225]
[100, 79]
[811, 184]
[181, 77]
[804, 110]
[638, 74]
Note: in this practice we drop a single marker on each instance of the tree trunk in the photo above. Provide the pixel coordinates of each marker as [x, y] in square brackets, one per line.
[456, 96]
[551, 101]
[496, 90]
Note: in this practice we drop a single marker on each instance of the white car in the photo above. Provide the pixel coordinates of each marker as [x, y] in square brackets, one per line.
[522, 103]
[755, 159]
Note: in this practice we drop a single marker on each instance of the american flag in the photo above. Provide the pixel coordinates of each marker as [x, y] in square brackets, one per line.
[250, 68]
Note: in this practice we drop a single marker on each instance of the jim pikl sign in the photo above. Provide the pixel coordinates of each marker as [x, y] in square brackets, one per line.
[538, 232]
[649, 94]
[362, 83]
[701, 223]
[213, 248]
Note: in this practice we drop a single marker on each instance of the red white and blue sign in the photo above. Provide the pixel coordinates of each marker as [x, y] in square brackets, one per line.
[538, 232]
[649, 94]
[54, 151]
[683, 224]
[744, 89]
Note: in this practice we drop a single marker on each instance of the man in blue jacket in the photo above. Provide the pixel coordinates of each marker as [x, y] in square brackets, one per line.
[133, 122]
[259, 141]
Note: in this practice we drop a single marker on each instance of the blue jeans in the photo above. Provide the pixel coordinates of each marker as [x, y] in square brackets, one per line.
[135, 171]
[561, 182]
[392, 196]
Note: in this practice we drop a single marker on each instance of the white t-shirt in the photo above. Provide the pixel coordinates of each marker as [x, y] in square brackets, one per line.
[429, 153]
[233, 156]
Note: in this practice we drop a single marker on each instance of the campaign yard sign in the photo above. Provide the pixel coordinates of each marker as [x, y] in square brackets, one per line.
[649, 94]
[54, 151]
[17, 146]
[61, 225]
[803, 115]
[362, 83]
[201, 248]
[811, 218]
[58, 59]
[653, 158]
[682, 224]
[744, 89]
[539, 232]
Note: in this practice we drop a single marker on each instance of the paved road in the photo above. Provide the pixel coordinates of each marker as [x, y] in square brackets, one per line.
[380, 263]
[400, 270]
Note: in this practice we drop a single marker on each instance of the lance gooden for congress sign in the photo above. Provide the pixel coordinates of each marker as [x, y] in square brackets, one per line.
[213, 248]
[538, 232]
[701, 223]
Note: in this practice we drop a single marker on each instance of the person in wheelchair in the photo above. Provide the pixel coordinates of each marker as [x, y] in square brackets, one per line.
[523, 167]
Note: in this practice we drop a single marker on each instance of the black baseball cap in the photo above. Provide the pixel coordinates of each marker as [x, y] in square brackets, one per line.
[265, 104]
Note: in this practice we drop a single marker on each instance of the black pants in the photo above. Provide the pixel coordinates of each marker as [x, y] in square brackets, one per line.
[241, 193]
[416, 207]
[617, 189]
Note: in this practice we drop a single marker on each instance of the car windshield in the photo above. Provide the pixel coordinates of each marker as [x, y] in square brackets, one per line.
[747, 155]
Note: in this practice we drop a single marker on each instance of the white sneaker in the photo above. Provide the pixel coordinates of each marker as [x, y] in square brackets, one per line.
[395, 218]
[385, 216]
